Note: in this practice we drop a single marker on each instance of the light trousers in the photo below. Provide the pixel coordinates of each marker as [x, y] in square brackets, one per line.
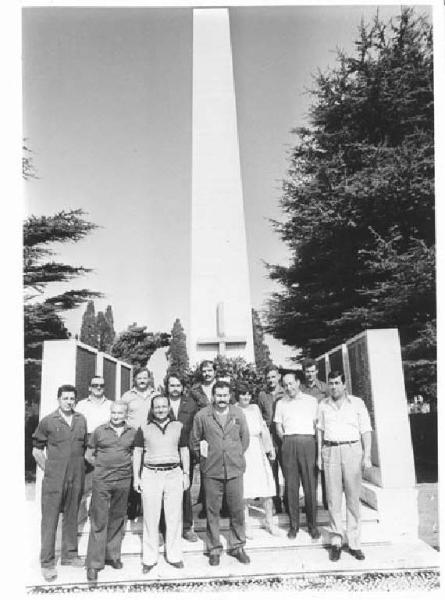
[343, 473]
[162, 487]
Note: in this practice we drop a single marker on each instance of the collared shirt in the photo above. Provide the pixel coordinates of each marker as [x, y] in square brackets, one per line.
[226, 444]
[138, 404]
[174, 404]
[95, 412]
[112, 453]
[319, 390]
[161, 443]
[345, 423]
[297, 415]
[62, 441]
[267, 401]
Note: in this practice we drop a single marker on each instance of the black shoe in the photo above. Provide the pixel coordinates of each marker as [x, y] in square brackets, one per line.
[202, 514]
[177, 565]
[335, 553]
[92, 574]
[240, 555]
[358, 554]
[278, 505]
[116, 563]
[214, 560]
[314, 533]
[146, 569]
[292, 533]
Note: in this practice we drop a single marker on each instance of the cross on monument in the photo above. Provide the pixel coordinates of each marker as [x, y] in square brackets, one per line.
[221, 340]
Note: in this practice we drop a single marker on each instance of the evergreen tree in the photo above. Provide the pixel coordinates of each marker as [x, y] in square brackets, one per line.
[177, 354]
[359, 202]
[105, 329]
[136, 345]
[261, 349]
[89, 331]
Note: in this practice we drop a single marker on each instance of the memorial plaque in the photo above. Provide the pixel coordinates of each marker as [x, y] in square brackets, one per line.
[361, 383]
[321, 366]
[125, 379]
[86, 365]
[336, 360]
[109, 375]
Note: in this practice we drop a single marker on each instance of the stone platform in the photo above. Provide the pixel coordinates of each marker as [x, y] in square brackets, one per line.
[275, 560]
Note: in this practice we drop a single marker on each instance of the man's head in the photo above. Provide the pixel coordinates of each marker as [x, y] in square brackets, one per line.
[143, 379]
[118, 413]
[336, 384]
[310, 370]
[174, 386]
[207, 371]
[160, 408]
[97, 386]
[221, 394]
[66, 396]
[272, 378]
[291, 382]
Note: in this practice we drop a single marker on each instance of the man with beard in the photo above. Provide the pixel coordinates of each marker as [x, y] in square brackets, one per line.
[183, 409]
[220, 437]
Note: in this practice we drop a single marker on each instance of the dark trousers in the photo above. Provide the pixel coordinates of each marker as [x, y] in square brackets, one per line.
[107, 518]
[323, 490]
[299, 462]
[232, 489]
[60, 496]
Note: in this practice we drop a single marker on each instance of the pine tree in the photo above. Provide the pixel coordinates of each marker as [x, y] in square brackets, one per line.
[261, 349]
[105, 329]
[359, 202]
[136, 344]
[178, 357]
[89, 333]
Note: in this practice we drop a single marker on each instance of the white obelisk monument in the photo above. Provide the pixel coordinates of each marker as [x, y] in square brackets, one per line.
[220, 320]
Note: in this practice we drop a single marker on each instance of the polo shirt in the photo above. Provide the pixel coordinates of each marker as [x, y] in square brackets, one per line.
[319, 390]
[161, 444]
[113, 454]
[346, 423]
[96, 413]
[298, 415]
[138, 404]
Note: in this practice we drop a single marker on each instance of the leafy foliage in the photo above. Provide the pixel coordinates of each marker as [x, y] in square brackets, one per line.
[135, 345]
[358, 201]
[177, 355]
[261, 349]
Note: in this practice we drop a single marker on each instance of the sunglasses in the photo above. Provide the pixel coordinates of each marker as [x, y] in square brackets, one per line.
[97, 385]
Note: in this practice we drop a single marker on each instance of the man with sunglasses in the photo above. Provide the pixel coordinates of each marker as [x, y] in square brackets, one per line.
[96, 410]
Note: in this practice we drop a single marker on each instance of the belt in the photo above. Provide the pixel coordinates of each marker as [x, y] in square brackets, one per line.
[163, 467]
[329, 443]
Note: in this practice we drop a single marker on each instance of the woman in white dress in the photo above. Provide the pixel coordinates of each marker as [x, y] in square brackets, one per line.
[258, 478]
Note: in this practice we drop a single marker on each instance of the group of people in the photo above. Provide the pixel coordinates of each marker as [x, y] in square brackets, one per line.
[105, 454]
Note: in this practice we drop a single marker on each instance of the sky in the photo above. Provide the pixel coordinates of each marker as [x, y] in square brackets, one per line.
[107, 102]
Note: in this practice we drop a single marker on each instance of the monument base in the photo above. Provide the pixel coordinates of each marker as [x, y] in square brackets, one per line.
[397, 509]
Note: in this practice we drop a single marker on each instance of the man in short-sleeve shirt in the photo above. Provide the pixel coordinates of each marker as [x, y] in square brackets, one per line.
[295, 417]
[63, 435]
[344, 444]
[110, 449]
